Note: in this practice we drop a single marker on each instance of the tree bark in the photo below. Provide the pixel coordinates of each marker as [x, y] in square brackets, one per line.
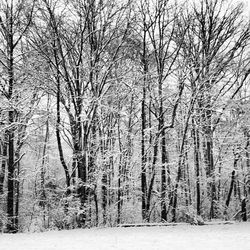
[243, 210]
[11, 149]
[230, 189]
[58, 121]
[3, 162]
[143, 128]
[196, 143]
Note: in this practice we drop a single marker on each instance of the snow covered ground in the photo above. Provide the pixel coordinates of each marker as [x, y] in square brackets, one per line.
[184, 237]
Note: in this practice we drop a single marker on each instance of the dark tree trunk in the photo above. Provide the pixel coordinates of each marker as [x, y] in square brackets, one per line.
[79, 165]
[151, 184]
[143, 158]
[82, 175]
[96, 207]
[129, 149]
[92, 168]
[143, 128]
[4, 161]
[58, 123]
[17, 193]
[60, 149]
[243, 210]
[181, 164]
[104, 195]
[219, 182]
[197, 166]
[164, 161]
[188, 193]
[164, 156]
[11, 190]
[120, 173]
[119, 200]
[230, 189]
[43, 170]
[247, 176]
[209, 162]
[11, 135]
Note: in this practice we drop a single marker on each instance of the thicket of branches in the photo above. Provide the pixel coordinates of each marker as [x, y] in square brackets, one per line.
[119, 112]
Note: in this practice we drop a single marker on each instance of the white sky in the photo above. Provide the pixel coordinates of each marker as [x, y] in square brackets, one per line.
[247, 3]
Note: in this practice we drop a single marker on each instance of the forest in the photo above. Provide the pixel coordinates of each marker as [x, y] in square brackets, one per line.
[123, 111]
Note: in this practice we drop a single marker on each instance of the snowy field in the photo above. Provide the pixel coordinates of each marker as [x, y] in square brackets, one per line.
[185, 237]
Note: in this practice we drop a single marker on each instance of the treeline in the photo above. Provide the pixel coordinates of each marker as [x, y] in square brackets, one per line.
[119, 112]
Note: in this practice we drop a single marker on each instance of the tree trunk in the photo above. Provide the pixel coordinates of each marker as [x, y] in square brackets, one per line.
[143, 128]
[163, 180]
[243, 210]
[58, 123]
[230, 189]
[17, 193]
[43, 170]
[92, 167]
[11, 191]
[3, 163]
[82, 175]
[164, 161]
[247, 176]
[11, 135]
[120, 173]
[181, 161]
[104, 195]
[196, 143]
[151, 184]
[143, 157]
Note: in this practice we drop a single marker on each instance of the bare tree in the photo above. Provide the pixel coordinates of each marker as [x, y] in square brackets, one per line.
[12, 33]
[214, 45]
